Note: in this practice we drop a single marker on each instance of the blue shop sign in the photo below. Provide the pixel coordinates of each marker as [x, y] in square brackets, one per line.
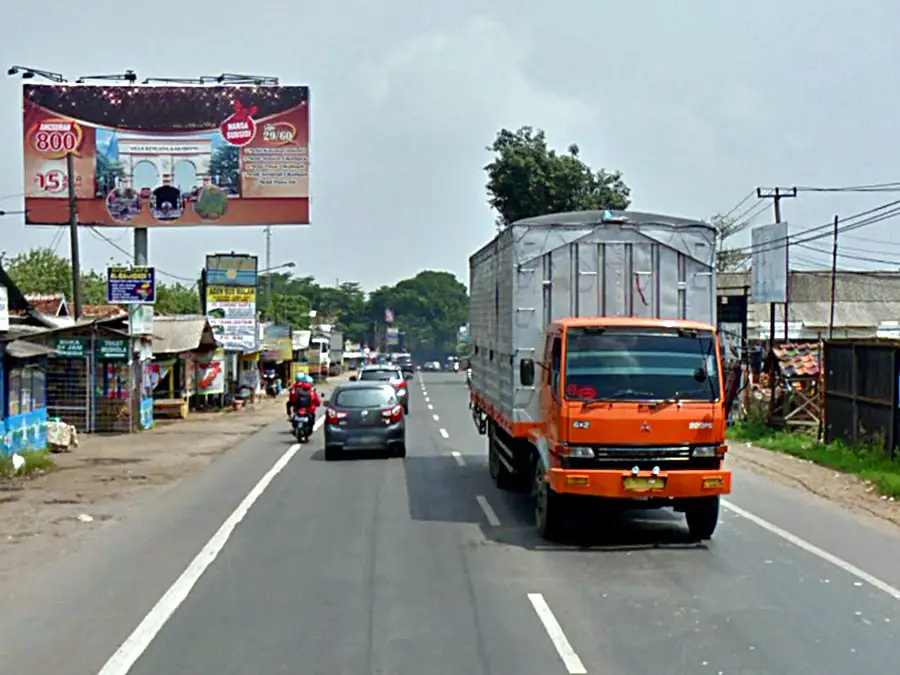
[131, 285]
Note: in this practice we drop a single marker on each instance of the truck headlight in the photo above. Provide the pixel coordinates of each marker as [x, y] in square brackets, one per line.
[706, 451]
[581, 453]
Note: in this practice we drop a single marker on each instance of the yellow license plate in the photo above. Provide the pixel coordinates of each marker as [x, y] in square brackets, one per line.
[642, 484]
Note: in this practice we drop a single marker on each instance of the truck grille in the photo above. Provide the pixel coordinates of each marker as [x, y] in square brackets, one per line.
[670, 458]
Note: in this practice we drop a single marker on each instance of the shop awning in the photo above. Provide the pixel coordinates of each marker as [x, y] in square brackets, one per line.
[22, 349]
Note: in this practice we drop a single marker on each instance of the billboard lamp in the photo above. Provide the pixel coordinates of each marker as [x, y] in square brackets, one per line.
[128, 76]
[29, 73]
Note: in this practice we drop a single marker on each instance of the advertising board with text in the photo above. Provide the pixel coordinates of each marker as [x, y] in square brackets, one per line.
[231, 269]
[164, 156]
[231, 312]
[130, 285]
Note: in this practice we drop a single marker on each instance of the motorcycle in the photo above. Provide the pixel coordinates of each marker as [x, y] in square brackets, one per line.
[271, 380]
[301, 422]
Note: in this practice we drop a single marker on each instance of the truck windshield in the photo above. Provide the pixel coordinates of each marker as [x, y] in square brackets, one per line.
[641, 366]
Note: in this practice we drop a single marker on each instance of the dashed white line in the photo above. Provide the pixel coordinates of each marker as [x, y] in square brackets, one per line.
[489, 512]
[436, 418]
[571, 660]
[121, 662]
[847, 567]
[459, 458]
[444, 433]
[430, 407]
[427, 400]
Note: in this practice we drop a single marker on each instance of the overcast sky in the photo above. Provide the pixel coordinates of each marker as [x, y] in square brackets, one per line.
[697, 103]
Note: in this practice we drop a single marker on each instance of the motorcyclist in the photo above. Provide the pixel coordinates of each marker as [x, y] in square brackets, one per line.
[314, 400]
[294, 394]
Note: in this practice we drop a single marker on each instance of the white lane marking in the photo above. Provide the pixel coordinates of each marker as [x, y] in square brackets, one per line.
[430, 407]
[436, 418]
[121, 662]
[444, 433]
[557, 637]
[850, 568]
[427, 400]
[459, 458]
[489, 512]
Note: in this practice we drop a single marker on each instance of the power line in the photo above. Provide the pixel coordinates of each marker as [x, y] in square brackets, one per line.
[873, 187]
[739, 204]
[112, 243]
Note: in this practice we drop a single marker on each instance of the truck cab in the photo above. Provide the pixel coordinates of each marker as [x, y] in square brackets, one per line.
[633, 409]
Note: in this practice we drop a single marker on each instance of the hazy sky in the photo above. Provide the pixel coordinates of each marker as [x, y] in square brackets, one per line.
[697, 103]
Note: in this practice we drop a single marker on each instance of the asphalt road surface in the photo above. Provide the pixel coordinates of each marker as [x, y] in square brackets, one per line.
[274, 561]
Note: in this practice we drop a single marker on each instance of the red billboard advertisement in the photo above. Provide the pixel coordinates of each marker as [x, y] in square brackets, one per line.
[167, 156]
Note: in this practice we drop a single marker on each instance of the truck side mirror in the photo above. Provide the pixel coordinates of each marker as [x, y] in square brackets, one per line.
[526, 372]
[353, 378]
[700, 374]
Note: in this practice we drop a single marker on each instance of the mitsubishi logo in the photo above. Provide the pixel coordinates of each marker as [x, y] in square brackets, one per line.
[645, 427]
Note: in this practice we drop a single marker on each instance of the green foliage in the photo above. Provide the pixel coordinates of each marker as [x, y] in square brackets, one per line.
[870, 461]
[36, 461]
[430, 307]
[527, 178]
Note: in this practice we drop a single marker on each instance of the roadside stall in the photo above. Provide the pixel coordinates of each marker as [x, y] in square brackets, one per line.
[177, 343]
[277, 352]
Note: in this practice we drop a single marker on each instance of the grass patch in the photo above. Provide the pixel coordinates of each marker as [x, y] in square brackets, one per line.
[870, 462]
[35, 461]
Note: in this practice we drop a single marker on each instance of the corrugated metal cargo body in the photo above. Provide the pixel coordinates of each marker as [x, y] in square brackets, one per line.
[591, 263]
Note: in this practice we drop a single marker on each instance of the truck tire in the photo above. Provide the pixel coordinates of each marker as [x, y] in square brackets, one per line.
[702, 517]
[549, 511]
[503, 478]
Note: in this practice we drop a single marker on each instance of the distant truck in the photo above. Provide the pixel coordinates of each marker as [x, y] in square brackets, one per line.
[596, 368]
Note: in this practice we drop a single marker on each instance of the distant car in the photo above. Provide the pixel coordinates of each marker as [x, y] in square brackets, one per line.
[432, 367]
[388, 374]
[364, 416]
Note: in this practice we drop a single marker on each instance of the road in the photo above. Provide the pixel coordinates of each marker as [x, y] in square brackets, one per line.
[421, 566]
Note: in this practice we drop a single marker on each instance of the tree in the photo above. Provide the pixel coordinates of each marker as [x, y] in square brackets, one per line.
[429, 308]
[527, 178]
[729, 259]
[177, 299]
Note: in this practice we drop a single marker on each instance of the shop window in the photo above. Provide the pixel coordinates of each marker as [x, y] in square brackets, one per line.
[27, 390]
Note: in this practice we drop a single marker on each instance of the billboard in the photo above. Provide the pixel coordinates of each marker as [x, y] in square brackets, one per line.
[231, 270]
[163, 156]
[769, 263]
[130, 285]
[231, 311]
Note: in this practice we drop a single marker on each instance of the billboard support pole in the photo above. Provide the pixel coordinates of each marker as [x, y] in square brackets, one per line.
[73, 235]
[141, 246]
[834, 257]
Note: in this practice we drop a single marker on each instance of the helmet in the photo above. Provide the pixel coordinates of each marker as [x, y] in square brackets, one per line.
[309, 379]
[299, 378]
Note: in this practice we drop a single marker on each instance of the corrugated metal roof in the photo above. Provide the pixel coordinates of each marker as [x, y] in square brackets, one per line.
[22, 349]
[815, 286]
[816, 314]
[177, 334]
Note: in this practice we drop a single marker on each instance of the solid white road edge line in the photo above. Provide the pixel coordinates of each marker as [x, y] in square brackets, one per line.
[850, 568]
[121, 662]
[444, 433]
[489, 512]
[436, 418]
[459, 458]
[557, 637]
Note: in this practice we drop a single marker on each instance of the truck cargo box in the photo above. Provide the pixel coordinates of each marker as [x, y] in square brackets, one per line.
[590, 263]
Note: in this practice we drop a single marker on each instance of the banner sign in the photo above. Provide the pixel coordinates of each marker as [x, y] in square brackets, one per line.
[173, 156]
[130, 285]
[231, 311]
[231, 270]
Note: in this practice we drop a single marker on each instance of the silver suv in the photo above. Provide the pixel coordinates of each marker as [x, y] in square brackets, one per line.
[389, 374]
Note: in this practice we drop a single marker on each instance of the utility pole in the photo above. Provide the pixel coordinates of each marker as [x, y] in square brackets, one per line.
[776, 195]
[834, 255]
[73, 235]
[269, 305]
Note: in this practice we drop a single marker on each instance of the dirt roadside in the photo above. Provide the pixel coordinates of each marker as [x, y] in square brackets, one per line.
[96, 482]
[846, 490]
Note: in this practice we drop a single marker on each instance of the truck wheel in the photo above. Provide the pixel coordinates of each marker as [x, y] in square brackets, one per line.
[548, 507]
[503, 478]
[702, 517]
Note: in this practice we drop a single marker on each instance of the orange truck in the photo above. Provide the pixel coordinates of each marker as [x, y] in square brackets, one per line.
[596, 366]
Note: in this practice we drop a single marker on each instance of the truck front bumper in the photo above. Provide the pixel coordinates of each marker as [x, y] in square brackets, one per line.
[618, 484]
